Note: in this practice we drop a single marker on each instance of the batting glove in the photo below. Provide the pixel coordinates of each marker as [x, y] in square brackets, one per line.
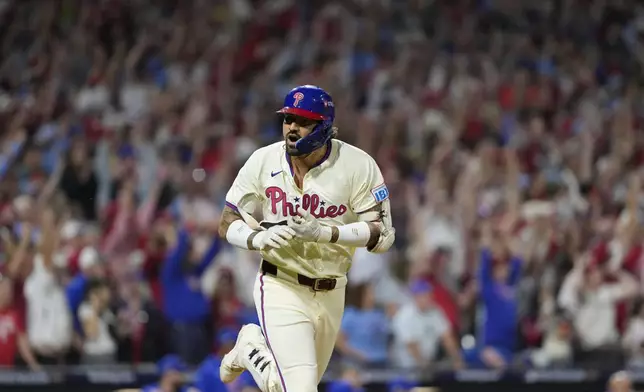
[307, 228]
[274, 237]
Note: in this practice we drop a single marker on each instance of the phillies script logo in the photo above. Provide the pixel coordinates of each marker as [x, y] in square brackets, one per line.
[312, 203]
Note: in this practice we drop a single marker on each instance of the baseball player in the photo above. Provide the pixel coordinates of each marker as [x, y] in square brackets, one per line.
[321, 199]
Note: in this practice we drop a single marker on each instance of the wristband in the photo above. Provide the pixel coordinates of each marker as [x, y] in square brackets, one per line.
[354, 234]
[239, 234]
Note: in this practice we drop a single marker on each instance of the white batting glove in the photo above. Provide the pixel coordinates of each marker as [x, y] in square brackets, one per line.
[274, 237]
[307, 228]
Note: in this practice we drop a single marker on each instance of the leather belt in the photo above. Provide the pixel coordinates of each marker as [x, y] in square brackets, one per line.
[323, 284]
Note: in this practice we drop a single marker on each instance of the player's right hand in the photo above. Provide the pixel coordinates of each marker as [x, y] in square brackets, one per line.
[274, 237]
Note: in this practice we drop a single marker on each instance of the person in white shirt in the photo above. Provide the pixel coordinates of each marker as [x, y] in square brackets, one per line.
[49, 321]
[592, 303]
[321, 198]
[419, 328]
[99, 346]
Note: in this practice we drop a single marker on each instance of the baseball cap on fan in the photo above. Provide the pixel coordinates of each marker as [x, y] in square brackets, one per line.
[226, 336]
[420, 286]
[170, 363]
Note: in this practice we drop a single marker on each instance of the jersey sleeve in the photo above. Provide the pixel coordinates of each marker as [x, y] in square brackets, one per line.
[369, 187]
[246, 186]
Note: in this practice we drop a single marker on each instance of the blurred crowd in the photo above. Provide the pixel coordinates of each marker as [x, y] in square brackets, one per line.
[509, 133]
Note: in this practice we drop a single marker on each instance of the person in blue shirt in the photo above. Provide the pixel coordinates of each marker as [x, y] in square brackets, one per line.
[185, 306]
[499, 274]
[207, 376]
[365, 329]
[91, 267]
[171, 376]
[401, 385]
[349, 382]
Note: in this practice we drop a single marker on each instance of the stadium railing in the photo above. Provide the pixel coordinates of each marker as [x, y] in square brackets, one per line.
[103, 379]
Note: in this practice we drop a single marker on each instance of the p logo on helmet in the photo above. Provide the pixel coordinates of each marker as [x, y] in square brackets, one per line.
[297, 98]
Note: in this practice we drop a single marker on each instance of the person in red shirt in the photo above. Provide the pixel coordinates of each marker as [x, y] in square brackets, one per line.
[443, 297]
[13, 339]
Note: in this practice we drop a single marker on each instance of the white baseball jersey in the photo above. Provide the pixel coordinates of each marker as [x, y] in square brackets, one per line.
[346, 182]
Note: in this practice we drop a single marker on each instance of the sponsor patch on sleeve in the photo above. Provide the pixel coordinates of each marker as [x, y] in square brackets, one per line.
[380, 193]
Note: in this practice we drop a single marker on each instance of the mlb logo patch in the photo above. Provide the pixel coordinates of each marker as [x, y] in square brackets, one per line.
[380, 193]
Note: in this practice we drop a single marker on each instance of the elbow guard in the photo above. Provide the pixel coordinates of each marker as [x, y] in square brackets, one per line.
[386, 240]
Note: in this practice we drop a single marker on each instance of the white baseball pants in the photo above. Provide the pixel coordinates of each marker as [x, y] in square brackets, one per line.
[300, 327]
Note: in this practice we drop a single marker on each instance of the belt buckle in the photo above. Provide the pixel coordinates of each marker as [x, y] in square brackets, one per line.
[316, 284]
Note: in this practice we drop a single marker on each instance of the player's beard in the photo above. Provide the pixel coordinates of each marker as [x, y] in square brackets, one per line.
[289, 143]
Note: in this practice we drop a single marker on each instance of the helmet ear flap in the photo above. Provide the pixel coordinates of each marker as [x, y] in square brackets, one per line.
[324, 126]
[321, 134]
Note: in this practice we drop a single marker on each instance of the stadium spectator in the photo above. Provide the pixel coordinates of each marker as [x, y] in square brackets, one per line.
[78, 181]
[227, 308]
[140, 325]
[499, 275]
[154, 250]
[364, 334]
[557, 348]
[14, 343]
[126, 221]
[185, 306]
[207, 376]
[97, 321]
[433, 270]
[171, 370]
[419, 328]
[350, 381]
[49, 319]
[90, 267]
[591, 300]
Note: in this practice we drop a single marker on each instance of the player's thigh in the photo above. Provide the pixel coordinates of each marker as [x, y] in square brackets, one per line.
[289, 333]
[328, 327]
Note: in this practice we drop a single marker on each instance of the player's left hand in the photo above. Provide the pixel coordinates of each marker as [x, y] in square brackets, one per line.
[305, 226]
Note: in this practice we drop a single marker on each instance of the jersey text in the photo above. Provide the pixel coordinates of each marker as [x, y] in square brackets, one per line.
[311, 203]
